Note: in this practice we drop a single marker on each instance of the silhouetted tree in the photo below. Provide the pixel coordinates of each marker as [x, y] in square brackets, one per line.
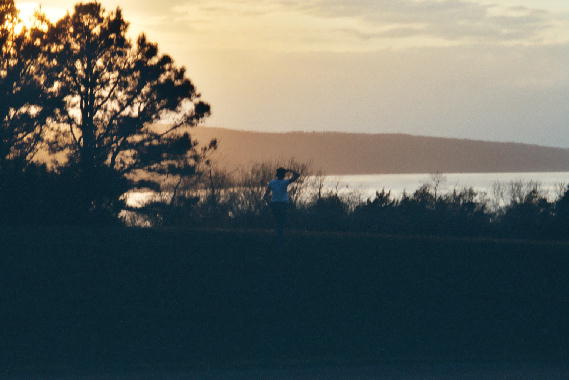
[328, 213]
[437, 179]
[128, 108]
[27, 98]
[460, 213]
[27, 102]
[377, 214]
[561, 212]
[529, 212]
[180, 193]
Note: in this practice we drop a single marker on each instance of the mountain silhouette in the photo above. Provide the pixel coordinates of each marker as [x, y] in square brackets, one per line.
[337, 153]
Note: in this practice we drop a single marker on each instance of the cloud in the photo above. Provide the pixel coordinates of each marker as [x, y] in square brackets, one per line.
[447, 19]
[365, 25]
[344, 25]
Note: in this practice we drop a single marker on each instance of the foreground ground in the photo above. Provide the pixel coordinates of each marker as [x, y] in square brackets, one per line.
[384, 371]
[87, 301]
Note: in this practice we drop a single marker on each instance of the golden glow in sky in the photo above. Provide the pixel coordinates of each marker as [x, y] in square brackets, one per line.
[27, 10]
[483, 69]
[336, 25]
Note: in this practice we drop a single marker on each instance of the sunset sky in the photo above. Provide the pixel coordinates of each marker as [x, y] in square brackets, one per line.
[469, 69]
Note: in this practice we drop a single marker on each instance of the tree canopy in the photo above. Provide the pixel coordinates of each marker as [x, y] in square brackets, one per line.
[115, 109]
[27, 95]
[127, 106]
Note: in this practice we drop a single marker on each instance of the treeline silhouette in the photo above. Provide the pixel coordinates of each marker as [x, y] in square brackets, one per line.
[218, 198]
[86, 115]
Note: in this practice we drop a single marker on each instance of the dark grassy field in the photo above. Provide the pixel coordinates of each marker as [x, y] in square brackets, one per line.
[77, 299]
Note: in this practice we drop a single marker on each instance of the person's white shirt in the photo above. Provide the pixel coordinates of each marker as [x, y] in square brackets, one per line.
[279, 190]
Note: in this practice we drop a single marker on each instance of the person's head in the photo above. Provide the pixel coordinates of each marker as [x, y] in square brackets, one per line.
[281, 173]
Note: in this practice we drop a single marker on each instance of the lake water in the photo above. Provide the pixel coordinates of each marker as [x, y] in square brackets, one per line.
[365, 186]
[549, 182]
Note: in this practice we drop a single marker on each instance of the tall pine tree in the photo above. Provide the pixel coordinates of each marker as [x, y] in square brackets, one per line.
[129, 109]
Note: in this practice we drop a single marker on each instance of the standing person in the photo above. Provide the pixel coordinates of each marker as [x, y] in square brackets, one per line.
[279, 200]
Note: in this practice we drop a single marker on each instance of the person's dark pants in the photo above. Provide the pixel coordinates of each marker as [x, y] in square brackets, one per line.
[280, 210]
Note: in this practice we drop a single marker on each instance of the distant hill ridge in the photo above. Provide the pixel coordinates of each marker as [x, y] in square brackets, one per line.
[357, 153]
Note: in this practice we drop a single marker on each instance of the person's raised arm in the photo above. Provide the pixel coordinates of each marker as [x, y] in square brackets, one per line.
[294, 177]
